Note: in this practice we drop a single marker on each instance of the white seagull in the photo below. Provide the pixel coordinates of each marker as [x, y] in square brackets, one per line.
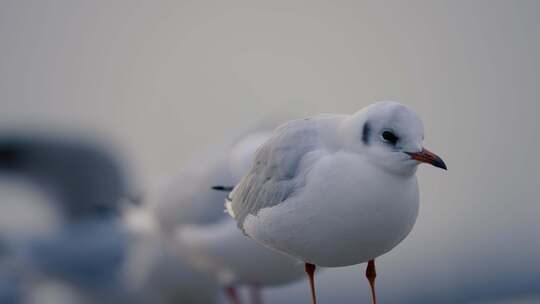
[215, 245]
[335, 190]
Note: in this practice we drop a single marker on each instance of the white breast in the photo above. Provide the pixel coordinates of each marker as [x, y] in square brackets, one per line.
[347, 213]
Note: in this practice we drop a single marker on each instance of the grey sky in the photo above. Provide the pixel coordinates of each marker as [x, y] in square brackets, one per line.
[165, 79]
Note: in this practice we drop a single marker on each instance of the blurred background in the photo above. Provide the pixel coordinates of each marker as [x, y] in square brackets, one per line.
[131, 92]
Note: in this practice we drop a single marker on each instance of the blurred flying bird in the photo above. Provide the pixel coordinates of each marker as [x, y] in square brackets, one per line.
[335, 190]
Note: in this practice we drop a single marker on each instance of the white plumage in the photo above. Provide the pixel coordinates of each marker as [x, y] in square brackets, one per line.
[335, 190]
[222, 250]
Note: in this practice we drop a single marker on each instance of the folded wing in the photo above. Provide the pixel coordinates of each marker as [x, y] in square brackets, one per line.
[276, 173]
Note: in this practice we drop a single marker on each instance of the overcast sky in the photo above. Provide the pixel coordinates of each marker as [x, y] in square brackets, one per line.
[163, 80]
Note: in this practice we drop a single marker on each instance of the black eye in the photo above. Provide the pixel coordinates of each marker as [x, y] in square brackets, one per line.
[390, 137]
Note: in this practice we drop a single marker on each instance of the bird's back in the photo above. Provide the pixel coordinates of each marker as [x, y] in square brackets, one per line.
[276, 173]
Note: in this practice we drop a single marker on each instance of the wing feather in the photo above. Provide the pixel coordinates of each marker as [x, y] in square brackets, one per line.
[274, 175]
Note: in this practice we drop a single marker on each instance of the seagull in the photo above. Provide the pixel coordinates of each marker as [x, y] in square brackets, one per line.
[214, 244]
[85, 179]
[335, 190]
[68, 231]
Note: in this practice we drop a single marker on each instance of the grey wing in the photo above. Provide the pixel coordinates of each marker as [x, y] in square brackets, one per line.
[274, 175]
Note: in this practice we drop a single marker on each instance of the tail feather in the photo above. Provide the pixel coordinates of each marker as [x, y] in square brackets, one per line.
[228, 200]
[223, 188]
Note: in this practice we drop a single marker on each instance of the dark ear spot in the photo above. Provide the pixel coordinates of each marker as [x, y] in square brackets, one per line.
[366, 133]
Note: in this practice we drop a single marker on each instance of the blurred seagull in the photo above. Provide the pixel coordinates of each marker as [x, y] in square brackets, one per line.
[214, 244]
[83, 186]
[335, 190]
[156, 270]
[83, 178]
[78, 231]
[222, 250]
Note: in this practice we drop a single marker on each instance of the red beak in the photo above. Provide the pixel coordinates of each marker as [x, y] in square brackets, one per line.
[428, 157]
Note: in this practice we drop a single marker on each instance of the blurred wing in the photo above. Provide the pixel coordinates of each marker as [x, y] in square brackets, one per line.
[275, 173]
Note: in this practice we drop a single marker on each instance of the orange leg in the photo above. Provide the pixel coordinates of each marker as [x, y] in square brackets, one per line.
[232, 295]
[310, 270]
[371, 274]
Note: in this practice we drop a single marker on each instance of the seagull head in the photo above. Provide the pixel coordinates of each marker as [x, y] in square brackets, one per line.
[391, 136]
